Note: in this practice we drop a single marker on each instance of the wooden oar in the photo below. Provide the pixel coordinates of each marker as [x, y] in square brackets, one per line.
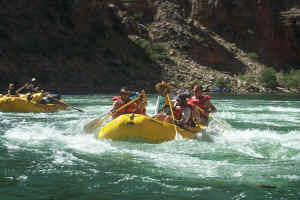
[21, 88]
[94, 124]
[61, 102]
[172, 112]
[225, 124]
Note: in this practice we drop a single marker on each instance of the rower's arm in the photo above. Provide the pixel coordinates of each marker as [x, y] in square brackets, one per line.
[21, 88]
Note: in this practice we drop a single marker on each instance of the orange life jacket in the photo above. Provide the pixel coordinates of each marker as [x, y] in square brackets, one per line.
[128, 109]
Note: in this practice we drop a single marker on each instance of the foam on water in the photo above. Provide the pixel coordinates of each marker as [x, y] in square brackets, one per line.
[244, 155]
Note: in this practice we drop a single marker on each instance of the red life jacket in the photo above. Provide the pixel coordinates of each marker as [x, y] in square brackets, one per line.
[194, 102]
[128, 109]
[199, 101]
[178, 110]
[115, 98]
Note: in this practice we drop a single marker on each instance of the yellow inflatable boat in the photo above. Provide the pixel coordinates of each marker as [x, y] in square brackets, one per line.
[145, 128]
[21, 104]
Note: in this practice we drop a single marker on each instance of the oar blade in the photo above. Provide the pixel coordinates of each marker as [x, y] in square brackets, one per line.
[222, 123]
[77, 109]
[93, 125]
[63, 103]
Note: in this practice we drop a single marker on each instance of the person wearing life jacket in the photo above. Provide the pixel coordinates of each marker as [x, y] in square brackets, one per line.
[183, 112]
[12, 92]
[29, 87]
[162, 109]
[123, 99]
[142, 103]
[202, 104]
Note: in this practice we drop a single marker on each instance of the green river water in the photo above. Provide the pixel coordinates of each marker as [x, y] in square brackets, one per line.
[49, 156]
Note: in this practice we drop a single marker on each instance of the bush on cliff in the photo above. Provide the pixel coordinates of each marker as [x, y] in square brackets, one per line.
[223, 83]
[268, 78]
[292, 79]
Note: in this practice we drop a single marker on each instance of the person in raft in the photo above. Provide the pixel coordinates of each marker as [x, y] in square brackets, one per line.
[12, 92]
[30, 87]
[183, 112]
[202, 104]
[137, 107]
[143, 103]
[162, 109]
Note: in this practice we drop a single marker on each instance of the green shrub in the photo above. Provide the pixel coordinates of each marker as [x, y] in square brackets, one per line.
[158, 47]
[223, 83]
[268, 78]
[198, 38]
[248, 77]
[156, 56]
[292, 79]
[253, 55]
[145, 44]
[138, 16]
[155, 50]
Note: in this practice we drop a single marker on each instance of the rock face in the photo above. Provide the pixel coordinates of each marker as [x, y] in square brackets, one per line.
[70, 46]
[171, 26]
[269, 28]
[87, 46]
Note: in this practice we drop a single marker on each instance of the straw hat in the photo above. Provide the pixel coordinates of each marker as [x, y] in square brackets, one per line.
[161, 86]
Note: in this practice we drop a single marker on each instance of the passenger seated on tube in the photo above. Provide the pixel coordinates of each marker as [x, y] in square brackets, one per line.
[137, 107]
[183, 112]
[162, 111]
[12, 92]
[202, 105]
[142, 102]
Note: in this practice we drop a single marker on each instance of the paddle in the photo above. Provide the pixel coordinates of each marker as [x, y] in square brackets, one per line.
[61, 102]
[163, 88]
[172, 112]
[94, 124]
[21, 88]
[225, 124]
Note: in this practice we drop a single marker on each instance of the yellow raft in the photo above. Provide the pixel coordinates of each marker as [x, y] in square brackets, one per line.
[145, 128]
[21, 104]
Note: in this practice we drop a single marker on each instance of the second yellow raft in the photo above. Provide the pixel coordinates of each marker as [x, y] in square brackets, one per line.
[21, 104]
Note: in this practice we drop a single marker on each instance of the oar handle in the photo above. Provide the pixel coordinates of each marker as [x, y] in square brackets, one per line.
[172, 113]
[170, 106]
[20, 89]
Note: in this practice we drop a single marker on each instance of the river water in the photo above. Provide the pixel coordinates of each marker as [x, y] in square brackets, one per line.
[49, 156]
